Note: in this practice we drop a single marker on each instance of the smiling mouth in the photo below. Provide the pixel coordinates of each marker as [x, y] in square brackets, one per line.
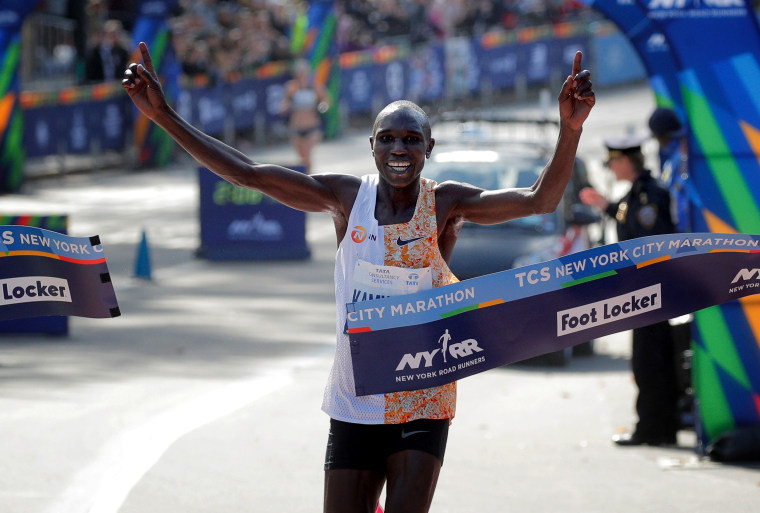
[399, 166]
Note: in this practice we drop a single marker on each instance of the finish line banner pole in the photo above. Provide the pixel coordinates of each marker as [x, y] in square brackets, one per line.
[48, 273]
[441, 335]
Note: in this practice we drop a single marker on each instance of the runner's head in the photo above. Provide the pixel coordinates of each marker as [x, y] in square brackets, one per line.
[401, 142]
[404, 104]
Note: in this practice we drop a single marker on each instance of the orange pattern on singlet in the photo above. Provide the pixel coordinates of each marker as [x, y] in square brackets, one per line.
[436, 402]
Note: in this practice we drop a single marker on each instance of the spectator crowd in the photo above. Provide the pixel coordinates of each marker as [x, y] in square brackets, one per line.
[222, 40]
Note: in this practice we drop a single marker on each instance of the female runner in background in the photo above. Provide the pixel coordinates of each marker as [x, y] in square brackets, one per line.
[304, 101]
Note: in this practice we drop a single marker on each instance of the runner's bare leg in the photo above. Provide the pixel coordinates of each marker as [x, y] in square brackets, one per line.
[412, 478]
[352, 491]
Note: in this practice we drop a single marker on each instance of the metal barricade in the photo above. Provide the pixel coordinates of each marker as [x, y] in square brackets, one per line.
[49, 56]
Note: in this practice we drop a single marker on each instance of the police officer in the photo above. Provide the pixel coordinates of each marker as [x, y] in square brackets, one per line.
[644, 210]
[670, 134]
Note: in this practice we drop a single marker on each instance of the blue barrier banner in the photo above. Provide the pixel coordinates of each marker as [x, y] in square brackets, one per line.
[245, 104]
[44, 130]
[447, 333]
[272, 90]
[244, 224]
[420, 77]
[391, 79]
[501, 64]
[562, 54]
[537, 65]
[357, 86]
[100, 124]
[616, 61]
[78, 128]
[427, 73]
[48, 273]
[109, 122]
[208, 109]
[536, 61]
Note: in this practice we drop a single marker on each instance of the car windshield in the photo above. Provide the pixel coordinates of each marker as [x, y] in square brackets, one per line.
[487, 171]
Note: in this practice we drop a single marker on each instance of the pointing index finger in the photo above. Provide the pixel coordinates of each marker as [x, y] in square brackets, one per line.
[577, 63]
[146, 58]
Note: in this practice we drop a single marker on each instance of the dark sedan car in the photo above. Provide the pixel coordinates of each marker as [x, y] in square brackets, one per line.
[474, 155]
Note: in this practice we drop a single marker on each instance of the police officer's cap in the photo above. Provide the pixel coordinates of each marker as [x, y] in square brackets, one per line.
[665, 122]
[620, 145]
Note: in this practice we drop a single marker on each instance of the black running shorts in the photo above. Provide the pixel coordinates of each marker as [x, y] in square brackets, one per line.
[368, 446]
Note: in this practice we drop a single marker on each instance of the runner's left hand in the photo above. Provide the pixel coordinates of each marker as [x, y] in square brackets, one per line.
[143, 86]
[577, 96]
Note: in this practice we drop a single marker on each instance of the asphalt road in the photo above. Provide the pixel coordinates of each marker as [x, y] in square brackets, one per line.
[204, 395]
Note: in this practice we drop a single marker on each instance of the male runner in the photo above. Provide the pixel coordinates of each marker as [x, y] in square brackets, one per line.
[393, 220]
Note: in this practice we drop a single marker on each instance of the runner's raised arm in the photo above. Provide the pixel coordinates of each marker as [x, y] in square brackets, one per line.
[318, 193]
[576, 99]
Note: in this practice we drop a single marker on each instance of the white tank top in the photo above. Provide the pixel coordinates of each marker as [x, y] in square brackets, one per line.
[366, 245]
[304, 99]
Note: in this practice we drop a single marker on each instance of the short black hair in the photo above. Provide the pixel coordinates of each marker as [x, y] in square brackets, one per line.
[405, 104]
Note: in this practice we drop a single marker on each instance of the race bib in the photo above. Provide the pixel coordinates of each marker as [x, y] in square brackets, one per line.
[376, 281]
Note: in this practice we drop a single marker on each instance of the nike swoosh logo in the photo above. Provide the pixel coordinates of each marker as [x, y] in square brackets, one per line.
[405, 242]
[405, 434]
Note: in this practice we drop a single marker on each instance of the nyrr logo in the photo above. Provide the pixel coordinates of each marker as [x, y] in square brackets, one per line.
[359, 234]
[657, 43]
[746, 275]
[457, 350]
[749, 278]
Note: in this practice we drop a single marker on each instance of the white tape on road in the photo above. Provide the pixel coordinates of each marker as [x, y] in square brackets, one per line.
[104, 484]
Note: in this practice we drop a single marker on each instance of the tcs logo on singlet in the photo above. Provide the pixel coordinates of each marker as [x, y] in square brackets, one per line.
[359, 234]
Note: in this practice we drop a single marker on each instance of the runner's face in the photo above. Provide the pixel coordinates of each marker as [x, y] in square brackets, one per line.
[400, 147]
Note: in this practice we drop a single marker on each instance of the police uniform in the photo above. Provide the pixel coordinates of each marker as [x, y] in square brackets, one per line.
[644, 211]
[674, 176]
[673, 163]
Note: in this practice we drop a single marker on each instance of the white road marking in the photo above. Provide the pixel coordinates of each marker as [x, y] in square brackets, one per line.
[104, 484]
